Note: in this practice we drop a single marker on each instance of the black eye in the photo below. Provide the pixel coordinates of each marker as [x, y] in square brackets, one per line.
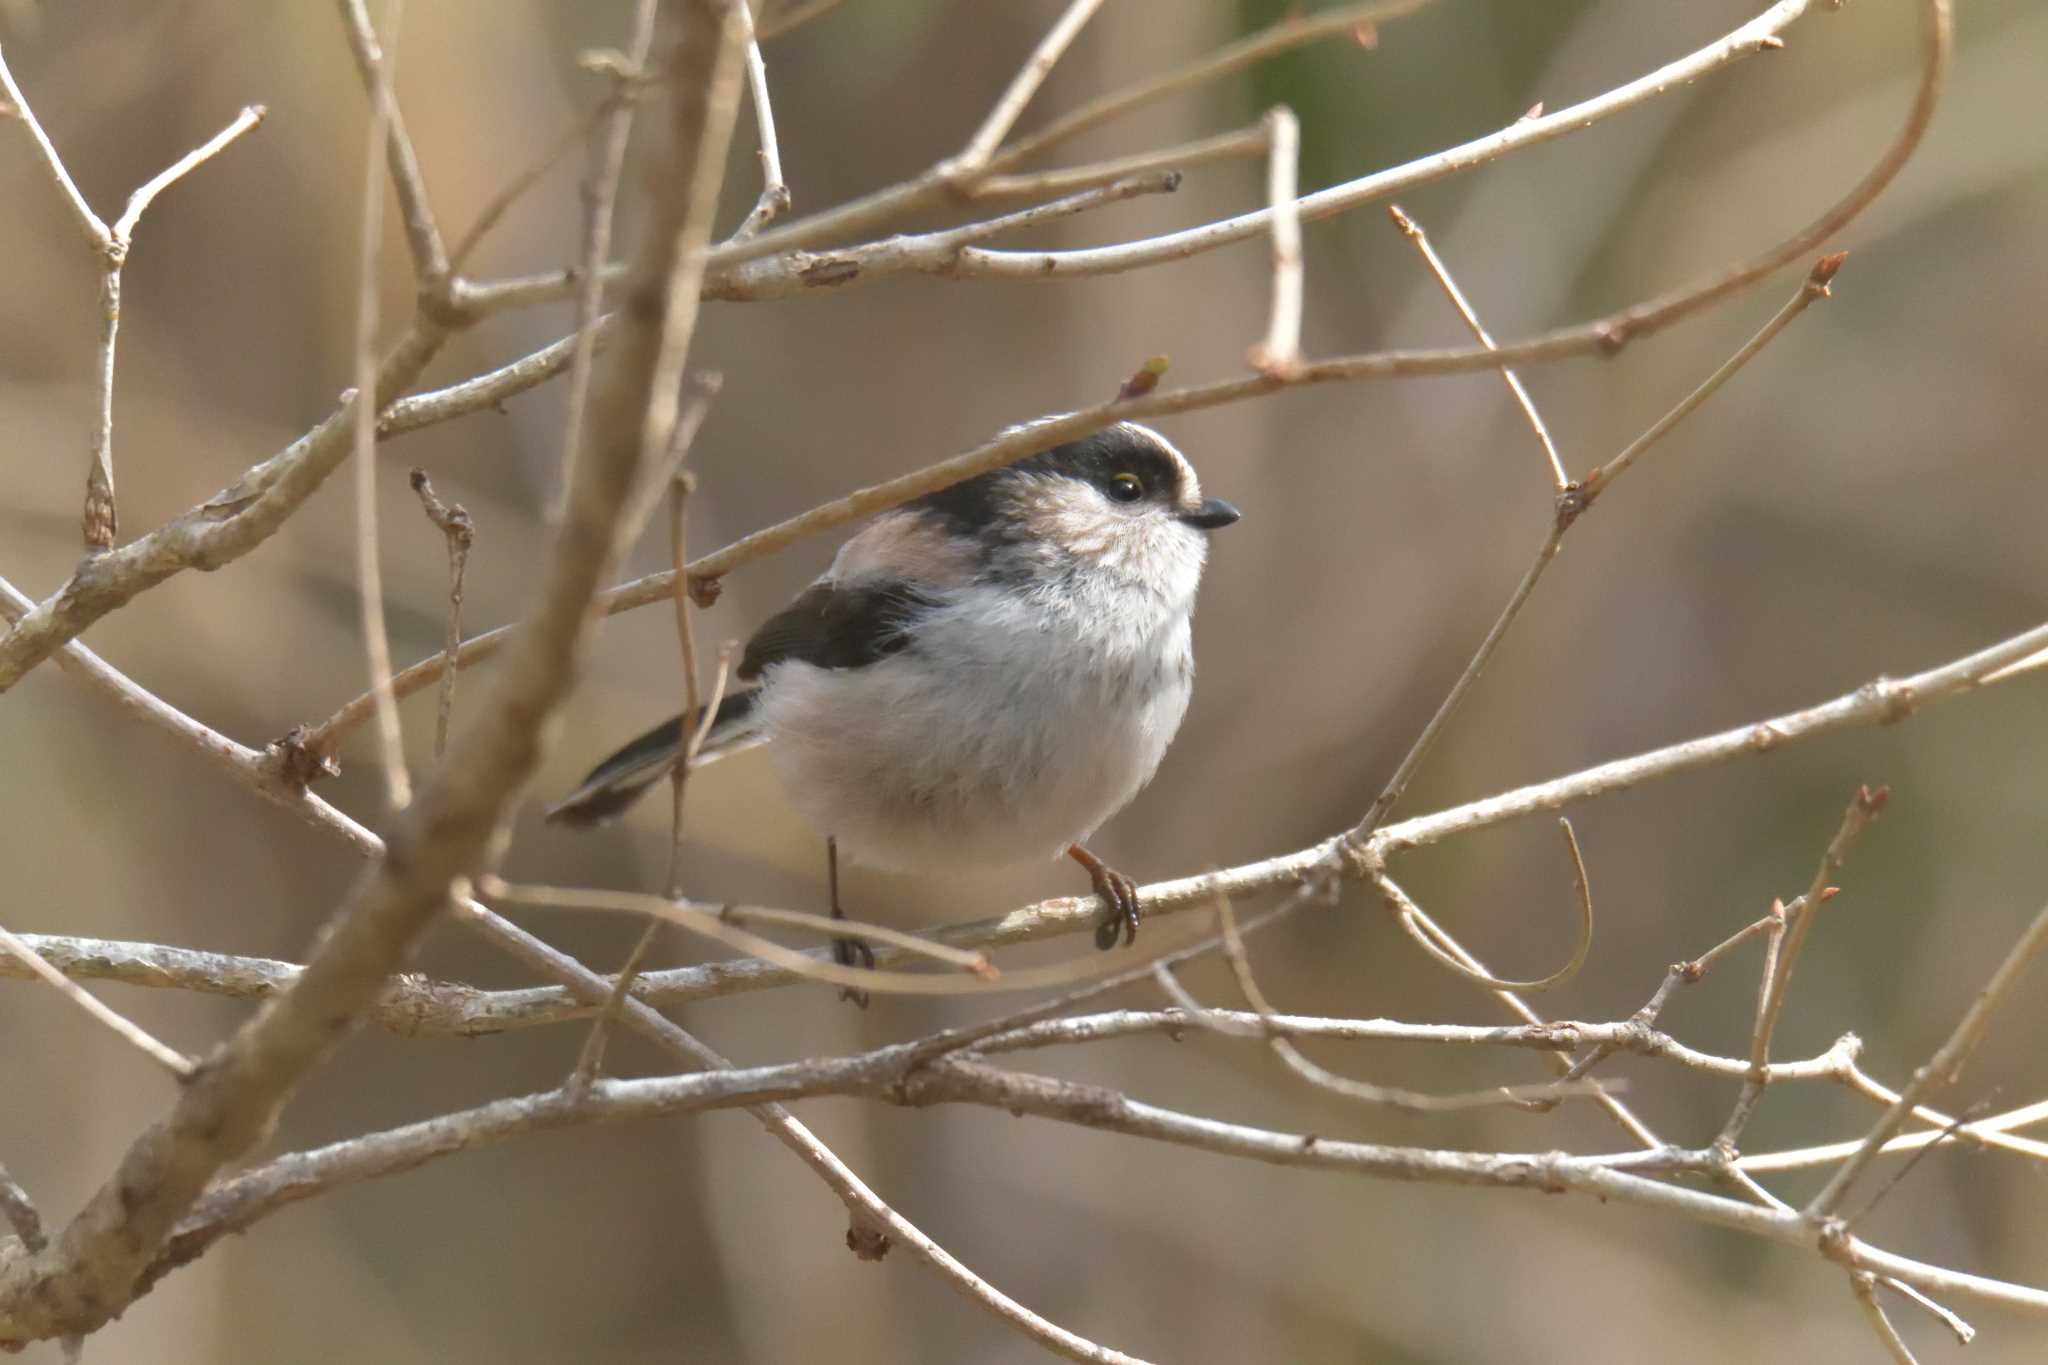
[1127, 488]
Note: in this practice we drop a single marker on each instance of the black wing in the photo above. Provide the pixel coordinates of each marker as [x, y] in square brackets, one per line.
[837, 625]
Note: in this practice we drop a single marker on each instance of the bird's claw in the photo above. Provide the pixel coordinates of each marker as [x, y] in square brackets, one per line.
[1121, 919]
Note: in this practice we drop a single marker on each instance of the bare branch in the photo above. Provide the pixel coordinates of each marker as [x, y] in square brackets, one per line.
[423, 237]
[1413, 231]
[591, 1058]
[600, 195]
[142, 198]
[1812, 291]
[1024, 85]
[486, 390]
[774, 200]
[1181, 157]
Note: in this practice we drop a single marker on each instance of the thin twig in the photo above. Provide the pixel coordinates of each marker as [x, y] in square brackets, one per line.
[1439, 945]
[1280, 353]
[1811, 292]
[169, 1058]
[827, 926]
[681, 483]
[1946, 1316]
[460, 533]
[1010, 105]
[600, 196]
[1944, 1068]
[422, 234]
[100, 520]
[499, 204]
[1864, 1285]
[90, 227]
[1787, 936]
[1180, 157]
[774, 200]
[1323, 1078]
[591, 1058]
[936, 253]
[1413, 231]
[370, 572]
[487, 390]
[1295, 30]
[792, 16]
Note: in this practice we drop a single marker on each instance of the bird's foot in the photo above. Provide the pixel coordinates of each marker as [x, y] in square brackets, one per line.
[851, 952]
[1119, 892]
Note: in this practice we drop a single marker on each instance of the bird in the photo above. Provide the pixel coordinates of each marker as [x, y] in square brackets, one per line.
[982, 677]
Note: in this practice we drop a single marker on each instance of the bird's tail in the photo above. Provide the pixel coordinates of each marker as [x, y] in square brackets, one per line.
[620, 780]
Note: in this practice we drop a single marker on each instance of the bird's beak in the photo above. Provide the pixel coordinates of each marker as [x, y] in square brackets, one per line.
[1213, 514]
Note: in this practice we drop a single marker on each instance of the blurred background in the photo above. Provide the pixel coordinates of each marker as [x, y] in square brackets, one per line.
[1867, 499]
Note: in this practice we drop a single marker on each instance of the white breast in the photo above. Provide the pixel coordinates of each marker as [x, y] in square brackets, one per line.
[1016, 723]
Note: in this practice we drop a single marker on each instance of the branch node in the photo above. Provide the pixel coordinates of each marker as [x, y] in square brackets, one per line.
[866, 1243]
[298, 763]
[704, 589]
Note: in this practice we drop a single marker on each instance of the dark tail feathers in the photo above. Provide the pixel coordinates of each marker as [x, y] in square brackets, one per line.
[623, 778]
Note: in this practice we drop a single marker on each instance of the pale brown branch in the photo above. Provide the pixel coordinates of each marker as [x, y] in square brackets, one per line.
[487, 390]
[1010, 105]
[1814, 289]
[1441, 273]
[422, 235]
[775, 198]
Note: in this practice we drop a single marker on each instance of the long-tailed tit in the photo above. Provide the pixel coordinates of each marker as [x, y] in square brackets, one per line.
[984, 675]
